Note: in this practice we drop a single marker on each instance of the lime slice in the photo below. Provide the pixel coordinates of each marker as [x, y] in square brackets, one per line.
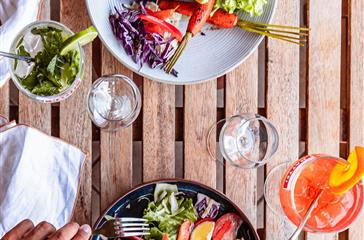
[83, 37]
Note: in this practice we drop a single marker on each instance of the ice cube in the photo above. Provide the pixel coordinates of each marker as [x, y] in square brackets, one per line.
[23, 68]
[32, 43]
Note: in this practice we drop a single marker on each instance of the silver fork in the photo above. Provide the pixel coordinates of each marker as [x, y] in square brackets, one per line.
[123, 227]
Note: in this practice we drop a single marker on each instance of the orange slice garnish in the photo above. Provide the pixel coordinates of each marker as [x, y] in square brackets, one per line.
[344, 176]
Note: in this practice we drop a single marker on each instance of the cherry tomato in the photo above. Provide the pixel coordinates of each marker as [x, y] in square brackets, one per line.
[221, 232]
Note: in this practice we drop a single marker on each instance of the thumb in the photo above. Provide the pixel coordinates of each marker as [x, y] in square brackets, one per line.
[84, 233]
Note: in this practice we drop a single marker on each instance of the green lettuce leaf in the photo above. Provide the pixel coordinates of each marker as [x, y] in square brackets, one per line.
[166, 215]
[253, 7]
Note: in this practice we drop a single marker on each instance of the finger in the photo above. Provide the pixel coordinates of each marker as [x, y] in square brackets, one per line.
[84, 233]
[19, 230]
[41, 231]
[67, 232]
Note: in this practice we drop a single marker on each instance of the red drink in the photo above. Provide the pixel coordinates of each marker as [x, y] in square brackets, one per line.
[306, 178]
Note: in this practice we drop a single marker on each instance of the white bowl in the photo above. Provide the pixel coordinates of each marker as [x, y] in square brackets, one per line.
[205, 57]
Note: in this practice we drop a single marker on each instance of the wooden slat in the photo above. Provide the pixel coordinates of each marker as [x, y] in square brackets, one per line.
[356, 94]
[75, 125]
[324, 82]
[283, 103]
[34, 113]
[4, 100]
[199, 116]
[158, 130]
[116, 147]
[242, 97]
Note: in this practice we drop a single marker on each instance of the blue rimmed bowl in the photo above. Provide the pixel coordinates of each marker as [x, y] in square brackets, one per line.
[134, 202]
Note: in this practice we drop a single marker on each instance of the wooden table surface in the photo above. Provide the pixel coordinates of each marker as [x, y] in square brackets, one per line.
[313, 95]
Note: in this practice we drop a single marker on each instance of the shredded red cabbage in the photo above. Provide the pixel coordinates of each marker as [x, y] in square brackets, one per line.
[143, 47]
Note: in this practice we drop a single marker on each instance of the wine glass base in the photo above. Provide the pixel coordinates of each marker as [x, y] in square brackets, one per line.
[213, 145]
[271, 189]
[245, 141]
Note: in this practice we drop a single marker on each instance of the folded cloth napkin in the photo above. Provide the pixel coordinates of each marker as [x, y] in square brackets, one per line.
[39, 177]
[14, 15]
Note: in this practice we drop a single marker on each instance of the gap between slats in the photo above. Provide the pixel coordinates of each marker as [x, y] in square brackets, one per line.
[355, 85]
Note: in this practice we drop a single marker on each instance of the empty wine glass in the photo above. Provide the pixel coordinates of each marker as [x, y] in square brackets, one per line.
[245, 141]
[114, 102]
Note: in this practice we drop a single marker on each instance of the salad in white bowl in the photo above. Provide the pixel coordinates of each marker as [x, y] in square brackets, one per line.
[212, 52]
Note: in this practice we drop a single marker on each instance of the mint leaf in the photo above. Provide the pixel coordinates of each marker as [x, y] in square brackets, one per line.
[45, 88]
[52, 65]
[30, 81]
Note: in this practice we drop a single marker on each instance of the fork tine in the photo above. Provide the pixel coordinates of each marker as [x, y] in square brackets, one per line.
[123, 220]
[131, 234]
[133, 229]
[133, 224]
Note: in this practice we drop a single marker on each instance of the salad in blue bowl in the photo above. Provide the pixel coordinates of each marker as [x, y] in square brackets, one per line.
[182, 210]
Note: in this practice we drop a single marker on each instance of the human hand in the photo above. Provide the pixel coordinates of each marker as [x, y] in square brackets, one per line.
[26, 231]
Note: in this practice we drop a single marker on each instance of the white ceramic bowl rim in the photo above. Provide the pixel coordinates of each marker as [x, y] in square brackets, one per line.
[130, 65]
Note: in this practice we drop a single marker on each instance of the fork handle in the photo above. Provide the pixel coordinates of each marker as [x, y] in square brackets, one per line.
[298, 231]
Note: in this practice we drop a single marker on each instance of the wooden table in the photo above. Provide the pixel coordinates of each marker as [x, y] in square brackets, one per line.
[313, 95]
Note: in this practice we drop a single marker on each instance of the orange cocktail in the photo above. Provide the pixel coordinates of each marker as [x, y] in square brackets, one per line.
[302, 183]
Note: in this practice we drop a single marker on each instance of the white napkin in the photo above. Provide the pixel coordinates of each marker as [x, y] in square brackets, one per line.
[14, 15]
[39, 177]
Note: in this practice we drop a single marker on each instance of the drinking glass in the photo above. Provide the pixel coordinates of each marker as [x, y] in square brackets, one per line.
[114, 102]
[33, 44]
[245, 141]
[291, 187]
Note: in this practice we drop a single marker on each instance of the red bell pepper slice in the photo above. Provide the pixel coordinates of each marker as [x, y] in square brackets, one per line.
[151, 28]
[163, 14]
[165, 26]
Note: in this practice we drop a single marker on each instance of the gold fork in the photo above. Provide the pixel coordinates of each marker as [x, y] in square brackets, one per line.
[296, 35]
